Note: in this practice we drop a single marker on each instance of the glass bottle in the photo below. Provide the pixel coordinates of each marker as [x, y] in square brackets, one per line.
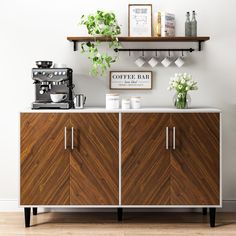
[159, 24]
[187, 25]
[194, 25]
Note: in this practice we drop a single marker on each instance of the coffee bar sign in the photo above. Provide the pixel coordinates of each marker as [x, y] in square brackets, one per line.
[130, 80]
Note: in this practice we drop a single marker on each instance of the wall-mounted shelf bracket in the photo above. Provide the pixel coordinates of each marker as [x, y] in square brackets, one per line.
[200, 45]
[74, 45]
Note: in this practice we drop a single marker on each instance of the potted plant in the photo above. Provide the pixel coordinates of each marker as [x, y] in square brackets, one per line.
[182, 84]
[101, 24]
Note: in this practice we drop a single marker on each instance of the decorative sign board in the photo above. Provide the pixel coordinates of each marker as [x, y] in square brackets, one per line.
[131, 80]
[140, 20]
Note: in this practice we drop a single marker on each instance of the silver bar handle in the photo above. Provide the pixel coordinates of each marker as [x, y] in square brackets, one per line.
[167, 138]
[173, 138]
[65, 143]
[72, 138]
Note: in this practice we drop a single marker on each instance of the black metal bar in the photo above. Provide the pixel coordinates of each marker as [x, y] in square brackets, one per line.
[35, 211]
[212, 217]
[119, 213]
[27, 216]
[204, 211]
[200, 45]
[154, 49]
[75, 45]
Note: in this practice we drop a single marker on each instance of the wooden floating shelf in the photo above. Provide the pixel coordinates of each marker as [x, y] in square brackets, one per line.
[198, 39]
[141, 39]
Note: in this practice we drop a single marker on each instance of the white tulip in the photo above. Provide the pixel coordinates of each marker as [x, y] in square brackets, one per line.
[175, 84]
[182, 81]
[190, 83]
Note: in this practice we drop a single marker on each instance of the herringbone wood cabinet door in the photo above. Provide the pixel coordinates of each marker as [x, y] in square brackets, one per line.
[145, 159]
[195, 162]
[44, 161]
[94, 159]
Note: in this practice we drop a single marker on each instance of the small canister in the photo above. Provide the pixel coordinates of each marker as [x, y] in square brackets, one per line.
[135, 102]
[112, 101]
[125, 103]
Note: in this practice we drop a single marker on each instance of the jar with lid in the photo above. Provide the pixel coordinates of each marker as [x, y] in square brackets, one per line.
[136, 102]
[112, 101]
[125, 103]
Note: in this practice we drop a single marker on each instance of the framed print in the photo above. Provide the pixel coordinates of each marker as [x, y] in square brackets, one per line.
[140, 20]
[125, 80]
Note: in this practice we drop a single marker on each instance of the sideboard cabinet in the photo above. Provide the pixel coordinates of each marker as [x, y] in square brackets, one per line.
[120, 159]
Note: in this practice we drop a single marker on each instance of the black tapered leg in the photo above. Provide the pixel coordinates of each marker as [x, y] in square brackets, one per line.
[27, 216]
[204, 211]
[212, 217]
[35, 211]
[119, 213]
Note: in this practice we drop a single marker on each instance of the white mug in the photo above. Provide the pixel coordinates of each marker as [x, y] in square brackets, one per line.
[179, 62]
[153, 62]
[58, 97]
[166, 62]
[140, 61]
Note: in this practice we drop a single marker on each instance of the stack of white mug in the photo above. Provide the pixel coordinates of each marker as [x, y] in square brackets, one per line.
[154, 61]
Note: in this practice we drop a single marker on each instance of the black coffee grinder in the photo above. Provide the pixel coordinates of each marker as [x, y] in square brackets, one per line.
[49, 82]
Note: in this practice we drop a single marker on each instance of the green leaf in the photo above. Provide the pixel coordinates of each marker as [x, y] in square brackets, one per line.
[102, 23]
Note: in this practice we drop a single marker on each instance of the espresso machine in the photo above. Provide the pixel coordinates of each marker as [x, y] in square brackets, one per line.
[50, 82]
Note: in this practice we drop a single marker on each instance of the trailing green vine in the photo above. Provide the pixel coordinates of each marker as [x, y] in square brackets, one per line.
[101, 24]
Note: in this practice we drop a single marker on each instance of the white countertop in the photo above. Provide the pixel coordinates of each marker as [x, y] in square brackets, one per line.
[144, 109]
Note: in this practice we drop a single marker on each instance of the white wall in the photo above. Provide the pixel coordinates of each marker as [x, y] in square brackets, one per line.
[37, 30]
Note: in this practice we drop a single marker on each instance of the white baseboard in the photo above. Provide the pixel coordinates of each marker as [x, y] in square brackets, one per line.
[11, 205]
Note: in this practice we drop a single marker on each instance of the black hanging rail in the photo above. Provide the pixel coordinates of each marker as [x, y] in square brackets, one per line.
[154, 50]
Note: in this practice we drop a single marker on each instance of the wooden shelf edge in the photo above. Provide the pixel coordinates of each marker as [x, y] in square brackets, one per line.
[141, 39]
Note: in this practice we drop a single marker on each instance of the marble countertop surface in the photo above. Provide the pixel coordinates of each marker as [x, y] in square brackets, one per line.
[144, 110]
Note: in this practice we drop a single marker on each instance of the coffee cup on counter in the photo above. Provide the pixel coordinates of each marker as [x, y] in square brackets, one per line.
[58, 97]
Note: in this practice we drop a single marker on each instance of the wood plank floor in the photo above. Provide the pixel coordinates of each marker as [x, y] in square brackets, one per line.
[105, 224]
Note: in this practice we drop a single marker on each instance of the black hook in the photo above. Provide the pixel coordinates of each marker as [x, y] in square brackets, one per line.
[143, 53]
[129, 53]
[182, 53]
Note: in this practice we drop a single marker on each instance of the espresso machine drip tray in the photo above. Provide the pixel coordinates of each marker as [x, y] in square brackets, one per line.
[51, 105]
